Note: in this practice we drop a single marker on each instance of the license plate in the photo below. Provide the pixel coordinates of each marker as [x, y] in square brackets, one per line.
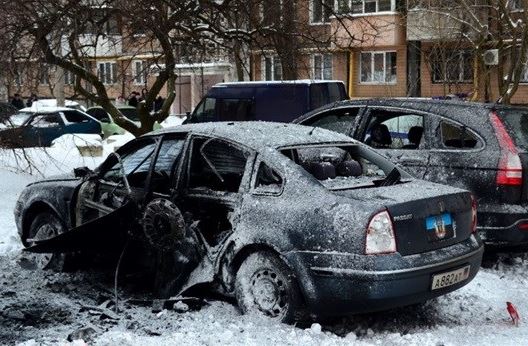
[439, 227]
[450, 278]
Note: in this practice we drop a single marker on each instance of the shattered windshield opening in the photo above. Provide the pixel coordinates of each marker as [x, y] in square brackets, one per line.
[339, 166]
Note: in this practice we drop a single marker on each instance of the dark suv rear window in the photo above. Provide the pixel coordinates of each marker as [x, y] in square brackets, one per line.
[516, 121]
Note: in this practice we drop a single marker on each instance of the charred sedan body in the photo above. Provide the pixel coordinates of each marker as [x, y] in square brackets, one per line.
[284, 217]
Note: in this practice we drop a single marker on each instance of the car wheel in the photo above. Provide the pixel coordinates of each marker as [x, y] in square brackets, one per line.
[264, 284]
[44, 226]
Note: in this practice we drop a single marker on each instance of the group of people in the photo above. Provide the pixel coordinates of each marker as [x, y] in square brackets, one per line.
[135, 98]
[18, 102]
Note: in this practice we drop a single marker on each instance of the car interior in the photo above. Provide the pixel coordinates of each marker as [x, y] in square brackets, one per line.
[329, 163]
[394, 130]
[215, 173]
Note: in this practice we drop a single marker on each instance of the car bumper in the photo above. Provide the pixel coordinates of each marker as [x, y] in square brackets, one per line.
[503, 225]
[336, 286]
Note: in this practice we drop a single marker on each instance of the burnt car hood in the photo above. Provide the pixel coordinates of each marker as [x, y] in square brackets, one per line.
[67, 177]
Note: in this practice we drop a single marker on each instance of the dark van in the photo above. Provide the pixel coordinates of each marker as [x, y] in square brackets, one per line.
[280, 101]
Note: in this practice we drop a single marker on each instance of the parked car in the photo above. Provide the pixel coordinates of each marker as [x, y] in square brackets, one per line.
[31, 129]
[107, 121]
[475, 146]
[280, 101]
[38, 105]
[283, 217]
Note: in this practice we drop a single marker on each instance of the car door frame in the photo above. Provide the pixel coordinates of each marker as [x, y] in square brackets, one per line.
[406, 158]
[472, 156]
[355, 124]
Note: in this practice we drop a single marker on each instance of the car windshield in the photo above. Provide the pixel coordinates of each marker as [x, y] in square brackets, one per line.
[516, 121]
[340, 167]
[18, 119]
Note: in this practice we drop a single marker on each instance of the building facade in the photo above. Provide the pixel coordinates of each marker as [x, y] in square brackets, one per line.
[389, 48]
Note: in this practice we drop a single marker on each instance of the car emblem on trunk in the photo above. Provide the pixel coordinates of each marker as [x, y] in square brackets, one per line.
[440, 228]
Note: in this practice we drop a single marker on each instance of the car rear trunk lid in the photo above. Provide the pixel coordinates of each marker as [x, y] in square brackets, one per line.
[426, 216]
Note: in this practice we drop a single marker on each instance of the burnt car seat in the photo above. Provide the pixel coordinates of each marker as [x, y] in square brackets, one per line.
[380, 136]
[415, 136]
[349, 168]
[322, 170]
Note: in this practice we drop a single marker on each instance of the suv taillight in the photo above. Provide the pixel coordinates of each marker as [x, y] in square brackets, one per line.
[473, 214]
[380, 235]
[510, 168]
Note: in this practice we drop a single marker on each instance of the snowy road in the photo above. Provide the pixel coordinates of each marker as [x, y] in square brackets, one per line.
[43, 308]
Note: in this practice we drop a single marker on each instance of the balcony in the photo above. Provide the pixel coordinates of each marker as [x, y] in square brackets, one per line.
[98, 46]
[439, 24]
[383, 29]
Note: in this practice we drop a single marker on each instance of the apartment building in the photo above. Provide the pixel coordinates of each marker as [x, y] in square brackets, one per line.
[388, 48]
[125, 60]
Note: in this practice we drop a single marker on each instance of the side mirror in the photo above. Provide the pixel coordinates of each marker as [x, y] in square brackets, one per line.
[81, 172]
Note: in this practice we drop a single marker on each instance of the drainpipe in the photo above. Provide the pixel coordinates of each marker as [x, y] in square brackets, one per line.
[350, 68]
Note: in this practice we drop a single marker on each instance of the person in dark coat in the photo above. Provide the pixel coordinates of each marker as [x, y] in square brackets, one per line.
[158, 103]
[133, 99]
[17, 101]
[31, 99]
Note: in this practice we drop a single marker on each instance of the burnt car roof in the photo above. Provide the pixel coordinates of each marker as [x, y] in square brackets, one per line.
[421, 104]
[260, 134]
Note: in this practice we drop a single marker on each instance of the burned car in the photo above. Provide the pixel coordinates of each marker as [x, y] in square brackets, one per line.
[287, 219]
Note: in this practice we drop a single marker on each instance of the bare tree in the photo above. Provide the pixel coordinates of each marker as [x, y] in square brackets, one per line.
[480, 25]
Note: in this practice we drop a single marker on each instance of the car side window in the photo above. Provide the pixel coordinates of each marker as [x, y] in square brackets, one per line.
[46, 120]
[136, 164]
[216, 165]
[236, 109]
[99, 114]
[458, 136]
[168, 156]
[75, 117]
[268, 180]
[205, 111]
[338, 120]
[394, 130]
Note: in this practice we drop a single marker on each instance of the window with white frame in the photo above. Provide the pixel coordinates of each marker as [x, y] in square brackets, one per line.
[321, 10]
[140, 72]
[515, 4]
[365, 6]
[107, 72]
[272, 68]
[322, 66]
[378, 67]
[44, 75]
[451, 66]
[69, 77]
[270, 11]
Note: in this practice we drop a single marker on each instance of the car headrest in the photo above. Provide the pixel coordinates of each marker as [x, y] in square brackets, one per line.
[349, 168]
[323, 170]
[380, 134]
[415, 134]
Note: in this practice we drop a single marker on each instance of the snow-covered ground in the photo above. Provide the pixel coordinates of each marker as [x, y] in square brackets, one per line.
[473, 315]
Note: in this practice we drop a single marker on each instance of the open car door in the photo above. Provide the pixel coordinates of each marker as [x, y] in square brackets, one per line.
[90, 234]
[107, 204]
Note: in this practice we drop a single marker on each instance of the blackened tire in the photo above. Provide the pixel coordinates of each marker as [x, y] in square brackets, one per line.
[46, 225]
[264, 284]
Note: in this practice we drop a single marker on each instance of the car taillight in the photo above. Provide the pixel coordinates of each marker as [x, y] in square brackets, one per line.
[473, 214]
[380, 235]
[510, 168]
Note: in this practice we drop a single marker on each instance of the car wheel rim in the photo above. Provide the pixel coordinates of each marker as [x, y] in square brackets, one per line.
[42, 260]
[269, 293]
